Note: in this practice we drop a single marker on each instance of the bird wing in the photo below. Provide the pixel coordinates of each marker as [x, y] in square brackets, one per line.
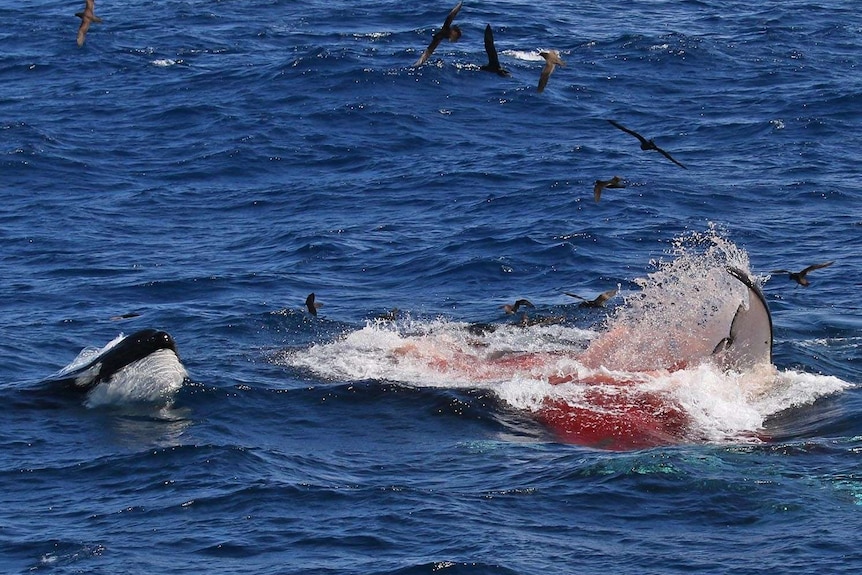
[780, 272]
[82, 30]
[816, 267]
[452, 15]
[429, 50]
[546, 73]
[669, 157]
[493, 60]
[605, 296]
[311, 304]
[525, 302]
[574, 295]
[597, 190]
[627, 131]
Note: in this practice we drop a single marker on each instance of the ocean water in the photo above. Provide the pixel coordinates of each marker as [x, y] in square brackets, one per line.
[201, 167]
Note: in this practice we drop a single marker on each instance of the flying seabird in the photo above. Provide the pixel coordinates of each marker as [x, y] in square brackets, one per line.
[87, 17]
[615, 182]
[311, 304]
[125, 316]
[493, 64]
[513, 308]
[799, 277]
[598, 302]
[552, 59]
[447, 31]
[646, 144]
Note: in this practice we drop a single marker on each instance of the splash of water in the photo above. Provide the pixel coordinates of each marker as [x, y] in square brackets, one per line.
[683, 310]
[653, 359]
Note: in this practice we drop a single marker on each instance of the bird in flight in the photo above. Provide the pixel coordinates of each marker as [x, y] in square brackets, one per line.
[598, 302]
[799, 277]
[552, 60]
[447, 31]
[647, 144]
[312, 305]
[87, 17]
[493, 64]
[513, 308]
[615, 182]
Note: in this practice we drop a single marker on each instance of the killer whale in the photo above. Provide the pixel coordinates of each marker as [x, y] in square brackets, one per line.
[113, 359]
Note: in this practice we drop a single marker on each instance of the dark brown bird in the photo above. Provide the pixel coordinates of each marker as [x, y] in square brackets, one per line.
[598, 302]
[493, 64]
[513, 308]
[647, 144]
[552, 60]
[615, 182]
[125, 316]
[87, 17]
[312, 305]
[448, 31]
[799, 277]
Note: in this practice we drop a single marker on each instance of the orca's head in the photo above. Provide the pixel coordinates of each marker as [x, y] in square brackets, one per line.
[133, 348]
[153, 340]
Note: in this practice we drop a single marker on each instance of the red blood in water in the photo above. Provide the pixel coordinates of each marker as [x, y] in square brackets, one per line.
[616, 419]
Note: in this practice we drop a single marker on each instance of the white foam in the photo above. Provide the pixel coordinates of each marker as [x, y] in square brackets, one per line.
[526, 55]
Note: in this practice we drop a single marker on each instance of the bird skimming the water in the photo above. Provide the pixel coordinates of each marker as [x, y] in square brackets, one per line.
[493, 64]
[513, 308]
[87, 17]
[312, 305]
[552, 60]
[598, 302]
[615, 182]
[452, 33]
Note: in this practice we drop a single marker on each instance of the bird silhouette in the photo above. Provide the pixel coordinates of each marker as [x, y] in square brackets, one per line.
[87, 17]
[513, 308]
[597, 302]
[128, 315]
[493, 64]
[552, 60]
[600, 185]
[799, 277]
[647, 145]
[448, 31]
[312, 305]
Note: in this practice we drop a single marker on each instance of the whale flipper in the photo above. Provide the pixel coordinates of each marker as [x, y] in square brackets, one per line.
[749, 341]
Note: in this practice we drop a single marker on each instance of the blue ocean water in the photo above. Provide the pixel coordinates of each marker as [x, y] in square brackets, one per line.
[203, 166]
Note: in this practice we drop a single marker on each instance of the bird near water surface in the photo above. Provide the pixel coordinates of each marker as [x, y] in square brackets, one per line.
[493, 64]
[597, 302]
[800, 277]
[600, 185]
[513, 308]
[87, 17]
[552, 60]
[311, 305]
[448, 31]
